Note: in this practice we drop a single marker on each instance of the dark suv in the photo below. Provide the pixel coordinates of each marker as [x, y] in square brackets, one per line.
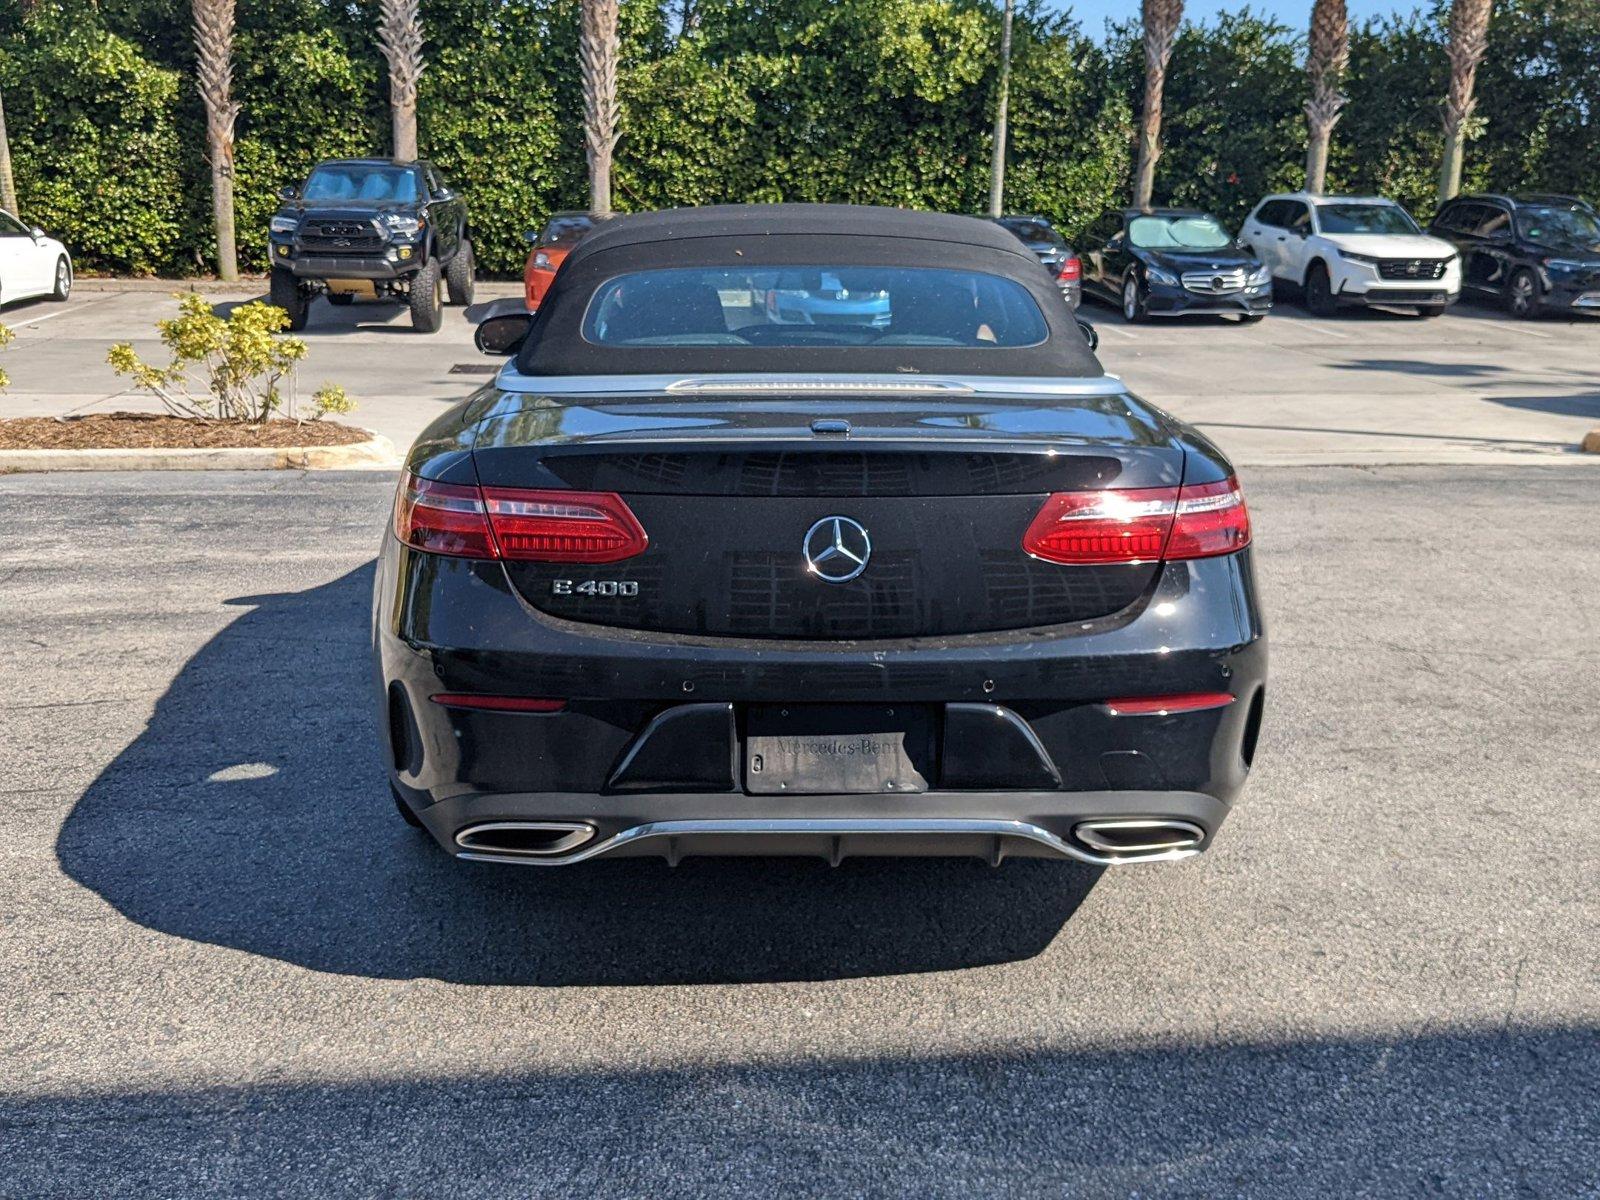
[1531, 253]
[371, 228]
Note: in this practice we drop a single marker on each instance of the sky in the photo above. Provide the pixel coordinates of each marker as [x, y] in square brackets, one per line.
[1093, 14]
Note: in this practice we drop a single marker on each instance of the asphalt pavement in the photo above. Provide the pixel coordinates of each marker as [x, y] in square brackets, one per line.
[227, 969]
[1472, 387]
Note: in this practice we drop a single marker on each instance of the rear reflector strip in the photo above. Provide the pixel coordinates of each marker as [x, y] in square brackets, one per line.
[1161, 706]
[520, 704]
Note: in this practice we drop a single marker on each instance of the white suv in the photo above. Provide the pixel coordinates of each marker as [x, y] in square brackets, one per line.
[1352, 250]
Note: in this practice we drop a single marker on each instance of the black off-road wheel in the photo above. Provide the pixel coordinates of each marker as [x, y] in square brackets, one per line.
[341, 299]
[1431, 311]
[426, 299]
[458, 275]
[287, 295]
[1319, 292]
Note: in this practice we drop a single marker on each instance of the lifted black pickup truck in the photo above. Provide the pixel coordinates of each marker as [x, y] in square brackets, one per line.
[371, 228]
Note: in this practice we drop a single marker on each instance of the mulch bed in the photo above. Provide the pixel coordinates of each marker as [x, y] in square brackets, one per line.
[148, 431]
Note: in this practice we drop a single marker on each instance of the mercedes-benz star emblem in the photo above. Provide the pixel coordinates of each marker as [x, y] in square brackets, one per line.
[837, 549]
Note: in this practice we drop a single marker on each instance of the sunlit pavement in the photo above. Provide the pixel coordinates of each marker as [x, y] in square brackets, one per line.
[1362, 388]
[229, 970]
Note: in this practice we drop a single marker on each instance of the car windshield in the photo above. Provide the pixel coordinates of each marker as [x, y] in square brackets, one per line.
[566, 229]
[374, 182]
[1365, 218]
[1032, 231]
[1559, 227]
[1192, 232]
[813, 306]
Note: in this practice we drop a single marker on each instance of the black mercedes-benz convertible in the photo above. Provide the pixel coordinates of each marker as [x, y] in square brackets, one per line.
[773, 539]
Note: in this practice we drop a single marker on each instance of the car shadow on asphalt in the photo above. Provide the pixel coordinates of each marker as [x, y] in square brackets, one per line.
[1482, 1113]
[253, 813]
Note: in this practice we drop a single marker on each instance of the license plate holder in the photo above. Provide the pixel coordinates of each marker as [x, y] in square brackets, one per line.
[856, 749]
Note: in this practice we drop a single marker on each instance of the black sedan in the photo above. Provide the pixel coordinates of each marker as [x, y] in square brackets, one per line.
[687, 580]
[1051, 249]
[1530, 253]
[1170, 262]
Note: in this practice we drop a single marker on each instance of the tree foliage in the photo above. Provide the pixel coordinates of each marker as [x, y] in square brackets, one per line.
[870, 101]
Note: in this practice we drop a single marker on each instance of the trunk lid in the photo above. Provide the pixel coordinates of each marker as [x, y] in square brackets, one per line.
[737, 493]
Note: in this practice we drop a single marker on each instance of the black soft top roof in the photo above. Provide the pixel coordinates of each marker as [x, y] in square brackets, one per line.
[757, 235]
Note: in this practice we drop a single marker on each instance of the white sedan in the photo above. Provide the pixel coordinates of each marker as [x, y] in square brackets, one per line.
[31, 264]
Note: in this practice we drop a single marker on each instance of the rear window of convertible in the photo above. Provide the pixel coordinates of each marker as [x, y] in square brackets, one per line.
[813, 306]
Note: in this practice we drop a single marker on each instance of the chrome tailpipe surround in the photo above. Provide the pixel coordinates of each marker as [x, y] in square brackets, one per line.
[1141, 839]
[523, 839]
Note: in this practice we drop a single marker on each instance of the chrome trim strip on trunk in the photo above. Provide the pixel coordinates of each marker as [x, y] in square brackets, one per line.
[836, 828]
[812, 383]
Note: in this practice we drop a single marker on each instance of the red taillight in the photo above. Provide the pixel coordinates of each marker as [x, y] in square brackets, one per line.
[442, 518]
[555, 526]
[1071, 270]
[1211, 520]
[1161, 706]
[523, 704]
[518, 524]
[1140, 524]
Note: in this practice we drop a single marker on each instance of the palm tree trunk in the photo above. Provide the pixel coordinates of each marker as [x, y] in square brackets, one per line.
[1161, 20]
[213, 43]
[1326, 60]
[1469, 38]
[400, 39]
[602, 109]
[997, 163]
[8, 185]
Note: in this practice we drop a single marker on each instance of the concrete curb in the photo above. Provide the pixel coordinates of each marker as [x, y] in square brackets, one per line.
[1591, 442]
[375, 454]
[168, 286]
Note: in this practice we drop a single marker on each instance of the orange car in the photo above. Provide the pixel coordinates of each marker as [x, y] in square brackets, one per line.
[561, 233]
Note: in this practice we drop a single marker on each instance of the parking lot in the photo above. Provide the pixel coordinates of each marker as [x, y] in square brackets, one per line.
[1360, 388]
[230, 969]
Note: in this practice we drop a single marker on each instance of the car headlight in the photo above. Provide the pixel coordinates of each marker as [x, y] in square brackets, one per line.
[284, 224]
[1369, 259]
[404, 226]
[1259, 277]
[1563, 265]
[1161, 276]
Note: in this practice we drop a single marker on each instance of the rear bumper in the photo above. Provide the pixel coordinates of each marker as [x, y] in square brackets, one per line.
[649, 754]
[1582, 299]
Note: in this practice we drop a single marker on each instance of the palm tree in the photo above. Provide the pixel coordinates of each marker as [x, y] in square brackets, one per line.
[1161, 19]
[8, 185]
[1325, 64]
[602, 110]
[997, 164]
[213, 43]
[1469, 37]
[400, 39]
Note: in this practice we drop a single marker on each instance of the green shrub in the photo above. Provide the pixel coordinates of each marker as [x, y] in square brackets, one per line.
[95, 145]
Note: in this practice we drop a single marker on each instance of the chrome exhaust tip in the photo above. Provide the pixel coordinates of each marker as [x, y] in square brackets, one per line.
[523, 839]
[1141, 837]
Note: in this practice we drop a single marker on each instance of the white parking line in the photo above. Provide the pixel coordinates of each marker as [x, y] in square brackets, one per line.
[1509, 328]
[60, 312]
[1119, 331]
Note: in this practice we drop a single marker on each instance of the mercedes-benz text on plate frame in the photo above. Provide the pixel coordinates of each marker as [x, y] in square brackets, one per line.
[837, 549]
[675, 584]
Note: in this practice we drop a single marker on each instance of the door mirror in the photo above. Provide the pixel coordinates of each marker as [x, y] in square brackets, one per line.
[288, 192]
[38, 234]
[444, 193]
[1090, 334]
[502, 334]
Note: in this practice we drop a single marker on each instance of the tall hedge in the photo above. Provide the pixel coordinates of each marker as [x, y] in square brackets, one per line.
[872, 101]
